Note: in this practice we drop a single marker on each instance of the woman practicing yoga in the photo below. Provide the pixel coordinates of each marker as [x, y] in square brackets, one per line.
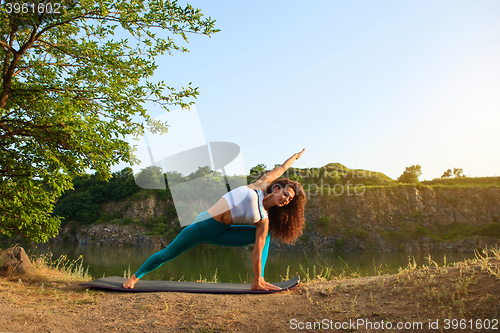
[268, 205]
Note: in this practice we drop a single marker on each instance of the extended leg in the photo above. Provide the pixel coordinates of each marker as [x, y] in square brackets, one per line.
[204, 229]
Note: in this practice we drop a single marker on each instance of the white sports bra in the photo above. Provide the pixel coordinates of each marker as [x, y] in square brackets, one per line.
[245, 205]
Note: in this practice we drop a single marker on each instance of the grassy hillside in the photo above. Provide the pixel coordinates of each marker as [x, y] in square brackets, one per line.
[336, 173]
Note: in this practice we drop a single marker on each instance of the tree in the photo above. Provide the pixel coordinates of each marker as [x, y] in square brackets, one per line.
[458, 172]
[256, 172]
[411, 174]
[151, 177]
[202, 171]
[446, 174]
[73, 84]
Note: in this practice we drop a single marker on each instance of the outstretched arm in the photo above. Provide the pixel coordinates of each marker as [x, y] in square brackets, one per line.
[260, 240]
[270, 176]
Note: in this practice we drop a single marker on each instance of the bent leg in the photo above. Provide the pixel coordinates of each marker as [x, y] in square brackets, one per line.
[241, 235]
[265, 252]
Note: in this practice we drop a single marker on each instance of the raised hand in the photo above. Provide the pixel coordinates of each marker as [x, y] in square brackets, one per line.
[300, 154]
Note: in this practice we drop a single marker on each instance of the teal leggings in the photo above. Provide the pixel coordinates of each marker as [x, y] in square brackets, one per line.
[204, 229]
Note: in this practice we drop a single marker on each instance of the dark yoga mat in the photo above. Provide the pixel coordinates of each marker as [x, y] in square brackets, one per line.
[115, 283]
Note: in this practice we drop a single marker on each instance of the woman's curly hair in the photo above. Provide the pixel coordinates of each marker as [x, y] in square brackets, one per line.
[287, 222]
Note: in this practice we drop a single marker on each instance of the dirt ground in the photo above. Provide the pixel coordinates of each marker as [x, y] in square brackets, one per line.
[462, 298]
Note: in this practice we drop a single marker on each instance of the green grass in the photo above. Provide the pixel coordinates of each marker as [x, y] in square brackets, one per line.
[483, 182]
[459, 230]
[380, 183]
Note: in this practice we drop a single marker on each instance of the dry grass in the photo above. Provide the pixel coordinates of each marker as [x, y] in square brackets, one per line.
[467, 291]
[457, 294]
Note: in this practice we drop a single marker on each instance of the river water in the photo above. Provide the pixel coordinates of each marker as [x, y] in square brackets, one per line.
[235, 264]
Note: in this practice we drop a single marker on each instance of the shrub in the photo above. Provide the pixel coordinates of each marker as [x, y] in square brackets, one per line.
[490, 230]
[339, 242]
[361, 233]
[422, 230]
[323, 221]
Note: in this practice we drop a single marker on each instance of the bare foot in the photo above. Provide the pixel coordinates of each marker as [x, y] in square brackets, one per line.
[260, 284]
[130, 283]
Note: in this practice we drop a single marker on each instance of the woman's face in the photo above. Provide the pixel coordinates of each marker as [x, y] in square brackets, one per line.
[283, 195]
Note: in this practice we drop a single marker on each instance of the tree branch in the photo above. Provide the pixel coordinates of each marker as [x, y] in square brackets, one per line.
[60, 64]
[7, 46]
[60, 23]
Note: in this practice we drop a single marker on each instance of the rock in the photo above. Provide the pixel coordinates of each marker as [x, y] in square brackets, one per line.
[113, 235]
[15, 260]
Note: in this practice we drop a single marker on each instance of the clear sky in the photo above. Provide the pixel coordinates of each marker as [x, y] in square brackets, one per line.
[376, 85]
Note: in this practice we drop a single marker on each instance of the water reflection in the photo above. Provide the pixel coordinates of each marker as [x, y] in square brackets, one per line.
[235, 264]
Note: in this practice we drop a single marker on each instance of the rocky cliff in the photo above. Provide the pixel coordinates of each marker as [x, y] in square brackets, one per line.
[408, 219]
[402, 218]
